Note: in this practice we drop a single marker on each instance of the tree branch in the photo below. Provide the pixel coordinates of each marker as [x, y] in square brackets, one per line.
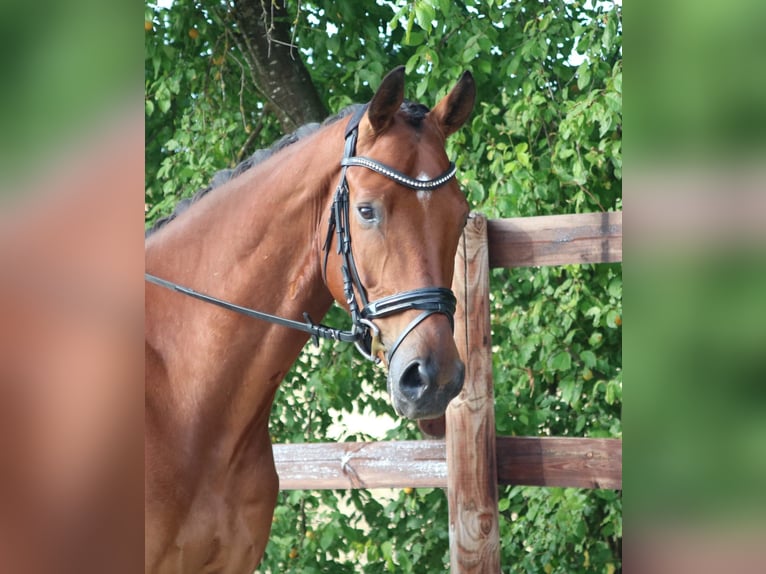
[265, 37]
[253, 134]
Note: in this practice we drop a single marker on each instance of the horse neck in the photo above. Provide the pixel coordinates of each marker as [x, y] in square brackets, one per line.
[256, 242]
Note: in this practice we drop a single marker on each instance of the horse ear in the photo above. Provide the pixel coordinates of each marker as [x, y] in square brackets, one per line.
[455, 108]
[386, 100]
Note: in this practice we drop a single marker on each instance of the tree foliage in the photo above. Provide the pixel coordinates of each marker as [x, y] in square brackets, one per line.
[545, 138]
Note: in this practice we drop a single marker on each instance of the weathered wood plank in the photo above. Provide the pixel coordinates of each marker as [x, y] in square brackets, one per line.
[555, 239]
[557, 461]
[471, 467]
[387, 464]
[526, 461]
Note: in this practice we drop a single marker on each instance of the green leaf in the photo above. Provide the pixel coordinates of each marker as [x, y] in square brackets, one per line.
[613, 101]
[605, 124]
[612, 387]
[164, 105]
[416, 38]
[425, 14]
[327, 538]
[560, 362]
[608, 37]
[513, 65]
[412, 62]
[527, 87]
[421, 89]
[570, 391]
[588, 358]
[583, 75]
[408, 30]
[618, 82]
[579, 175]
[615, 287]
[584, 42]
[386, 549]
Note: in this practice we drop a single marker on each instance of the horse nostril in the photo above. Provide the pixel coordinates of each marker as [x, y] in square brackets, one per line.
[414, 381]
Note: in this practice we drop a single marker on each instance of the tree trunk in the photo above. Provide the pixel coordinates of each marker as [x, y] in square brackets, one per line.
[277, 69]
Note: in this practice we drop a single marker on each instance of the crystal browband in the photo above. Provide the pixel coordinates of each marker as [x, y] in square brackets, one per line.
[399, 177]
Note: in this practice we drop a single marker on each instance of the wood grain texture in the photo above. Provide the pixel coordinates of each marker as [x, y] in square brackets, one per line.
[554, 461]
[470, 417]
[387, 464]
[555, 239]
[526, 461]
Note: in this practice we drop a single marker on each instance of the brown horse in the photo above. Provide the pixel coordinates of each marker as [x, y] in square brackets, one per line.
[277, 238]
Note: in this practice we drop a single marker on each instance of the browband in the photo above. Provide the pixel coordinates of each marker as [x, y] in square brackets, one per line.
[399, 177]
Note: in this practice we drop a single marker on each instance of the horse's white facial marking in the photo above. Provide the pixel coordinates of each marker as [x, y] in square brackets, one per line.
[423, 194]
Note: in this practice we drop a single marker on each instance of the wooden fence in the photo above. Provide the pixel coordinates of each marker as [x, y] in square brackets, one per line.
[471, 460]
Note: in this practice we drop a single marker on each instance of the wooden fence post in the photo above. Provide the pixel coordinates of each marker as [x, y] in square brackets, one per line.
[470, 418]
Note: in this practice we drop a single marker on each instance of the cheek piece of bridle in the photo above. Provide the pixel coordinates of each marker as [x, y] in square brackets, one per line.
[364, 333]
[429, 300]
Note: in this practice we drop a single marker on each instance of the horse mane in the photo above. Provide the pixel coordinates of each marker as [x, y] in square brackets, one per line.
[414, 113]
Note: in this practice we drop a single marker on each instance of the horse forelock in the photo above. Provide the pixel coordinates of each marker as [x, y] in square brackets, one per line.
[413, 112]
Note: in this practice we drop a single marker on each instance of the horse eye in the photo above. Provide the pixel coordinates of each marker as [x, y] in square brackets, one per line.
[366, 211]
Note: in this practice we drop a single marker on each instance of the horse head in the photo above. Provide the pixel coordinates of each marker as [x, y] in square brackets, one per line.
[404, 214]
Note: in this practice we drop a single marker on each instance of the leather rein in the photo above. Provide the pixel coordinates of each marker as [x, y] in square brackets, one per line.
[364, 333]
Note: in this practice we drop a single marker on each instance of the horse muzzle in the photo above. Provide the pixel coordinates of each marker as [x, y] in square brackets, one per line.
[422, 387]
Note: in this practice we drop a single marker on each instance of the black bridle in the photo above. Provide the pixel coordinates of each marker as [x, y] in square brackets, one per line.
[429, 300]
[364, 333]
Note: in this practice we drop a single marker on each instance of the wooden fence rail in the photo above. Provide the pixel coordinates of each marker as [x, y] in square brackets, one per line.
[527, 461]
[555, 239]
[471, 461]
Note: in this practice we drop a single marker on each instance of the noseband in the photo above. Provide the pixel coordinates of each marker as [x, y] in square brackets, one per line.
[429, 300]
[364, 333]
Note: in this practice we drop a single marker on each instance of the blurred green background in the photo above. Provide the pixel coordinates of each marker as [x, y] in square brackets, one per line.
[545, 138]
[67, 67]
[694, 338]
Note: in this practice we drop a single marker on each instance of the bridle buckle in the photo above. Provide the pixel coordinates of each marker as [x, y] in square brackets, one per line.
[369, 349]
